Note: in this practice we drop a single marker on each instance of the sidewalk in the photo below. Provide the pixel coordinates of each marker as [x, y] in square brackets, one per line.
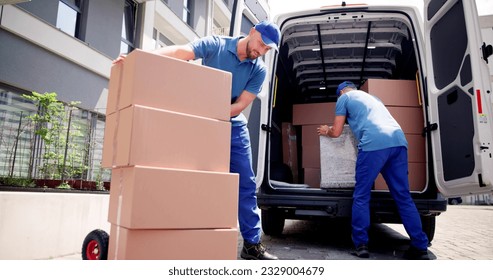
[463, 232]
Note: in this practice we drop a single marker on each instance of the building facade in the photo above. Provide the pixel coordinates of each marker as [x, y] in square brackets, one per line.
[67, 46]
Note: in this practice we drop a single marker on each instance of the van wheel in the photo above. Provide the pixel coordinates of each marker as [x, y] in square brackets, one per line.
[272, 222]
[428, 223]
[95, 245]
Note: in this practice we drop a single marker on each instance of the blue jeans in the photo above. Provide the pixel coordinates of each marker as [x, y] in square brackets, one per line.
[241, 163]
[392, 163]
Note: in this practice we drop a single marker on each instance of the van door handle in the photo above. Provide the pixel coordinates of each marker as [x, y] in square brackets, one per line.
[487, 51]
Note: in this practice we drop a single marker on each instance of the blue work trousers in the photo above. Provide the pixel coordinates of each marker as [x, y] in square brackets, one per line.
[241, 163]
[392, 163]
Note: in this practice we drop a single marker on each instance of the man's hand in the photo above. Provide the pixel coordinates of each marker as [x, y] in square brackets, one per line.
[322, 130]
[119, 59]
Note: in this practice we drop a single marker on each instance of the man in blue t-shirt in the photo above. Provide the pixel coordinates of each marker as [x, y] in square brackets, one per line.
[241, 57]
[382, 148]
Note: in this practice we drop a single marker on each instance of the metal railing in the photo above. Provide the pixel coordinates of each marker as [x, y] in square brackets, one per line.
[75, 153]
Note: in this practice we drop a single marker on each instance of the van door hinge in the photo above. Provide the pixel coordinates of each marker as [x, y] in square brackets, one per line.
[430, 127]
[266, 128]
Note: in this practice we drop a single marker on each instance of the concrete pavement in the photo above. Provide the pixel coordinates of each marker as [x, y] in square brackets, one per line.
[463, 232]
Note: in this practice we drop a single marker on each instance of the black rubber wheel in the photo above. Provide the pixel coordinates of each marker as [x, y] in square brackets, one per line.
[95, 245]
[272, 222]
[429, 223]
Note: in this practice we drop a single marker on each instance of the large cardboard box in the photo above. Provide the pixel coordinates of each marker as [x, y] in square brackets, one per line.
[162, 198]
[290, 148]
[313, 113]
[109, 141]
[310, 157]
[417, 178]
[312, 177]
[416, 151]
[309, 135]
[410, 119]
[393, 92]
[146, 136]
[338, 160]
[166, 83]
[162, 244]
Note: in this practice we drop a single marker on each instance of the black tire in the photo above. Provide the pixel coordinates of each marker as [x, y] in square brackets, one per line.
[429, 223]
[95, 245]
[272, 222]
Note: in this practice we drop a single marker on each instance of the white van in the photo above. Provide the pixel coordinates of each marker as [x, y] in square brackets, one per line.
[432, 74]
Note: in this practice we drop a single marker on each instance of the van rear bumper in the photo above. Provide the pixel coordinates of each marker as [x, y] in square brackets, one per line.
[382, 209]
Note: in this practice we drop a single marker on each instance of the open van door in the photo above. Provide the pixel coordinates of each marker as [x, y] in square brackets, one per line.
[459, 96]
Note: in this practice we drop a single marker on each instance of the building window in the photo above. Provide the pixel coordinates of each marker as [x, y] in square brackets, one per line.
[187, 12]
[160, 40]
[69, 16]
[128, 27]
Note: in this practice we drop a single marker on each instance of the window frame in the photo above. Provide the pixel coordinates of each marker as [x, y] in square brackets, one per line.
[129, 26]
[78, 7]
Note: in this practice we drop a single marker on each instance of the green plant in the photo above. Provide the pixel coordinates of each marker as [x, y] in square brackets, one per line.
[64, 185]
[17, 182]
[64, 145]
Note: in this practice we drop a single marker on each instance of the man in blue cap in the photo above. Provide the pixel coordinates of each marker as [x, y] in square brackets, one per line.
[240, 56]
[382, 148]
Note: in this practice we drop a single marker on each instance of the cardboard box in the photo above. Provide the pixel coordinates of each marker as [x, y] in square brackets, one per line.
[309, 135]
[161, 198]
[159, 138]
[310, 156]
[393, 92]
[338, 160]
[114, 88]
[109, 141]
[159, 244]
[290, 149]
[312, 177]
[313, 113]
[171, 84]
[416, 151]
[410, 119]
[417, 178]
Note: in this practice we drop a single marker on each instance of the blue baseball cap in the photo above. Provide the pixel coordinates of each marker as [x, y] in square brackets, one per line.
[270, 33]
[344, 85]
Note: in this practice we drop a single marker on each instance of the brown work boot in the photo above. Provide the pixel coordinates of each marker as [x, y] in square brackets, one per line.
[256, 252]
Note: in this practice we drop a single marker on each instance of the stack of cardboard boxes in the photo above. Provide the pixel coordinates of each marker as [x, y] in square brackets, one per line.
[167, 141]
[308, 117]
[403, 102]
[401, 99]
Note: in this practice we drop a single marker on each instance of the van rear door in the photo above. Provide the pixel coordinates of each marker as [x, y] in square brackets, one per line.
[459, 96]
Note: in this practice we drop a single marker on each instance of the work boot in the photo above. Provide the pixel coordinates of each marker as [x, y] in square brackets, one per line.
[414, 253]
[256, 252]
[361, 252]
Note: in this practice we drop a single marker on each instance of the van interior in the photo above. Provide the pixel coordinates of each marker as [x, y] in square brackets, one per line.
[377, 51]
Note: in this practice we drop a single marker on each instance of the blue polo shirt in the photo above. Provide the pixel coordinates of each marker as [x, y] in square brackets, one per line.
[371, 123]
[220, 52]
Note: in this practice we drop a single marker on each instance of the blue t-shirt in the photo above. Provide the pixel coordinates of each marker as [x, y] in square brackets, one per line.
[220, 52]
[370, 121]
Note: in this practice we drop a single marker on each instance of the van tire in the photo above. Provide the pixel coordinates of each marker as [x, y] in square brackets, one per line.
[272, 222]
[429, 223]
